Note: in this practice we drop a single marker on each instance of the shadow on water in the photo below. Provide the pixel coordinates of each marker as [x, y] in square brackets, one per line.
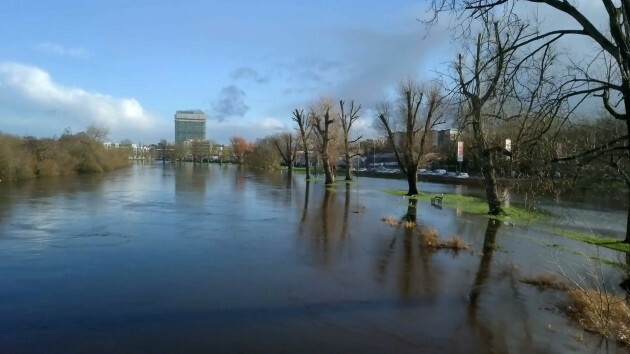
[489, 245]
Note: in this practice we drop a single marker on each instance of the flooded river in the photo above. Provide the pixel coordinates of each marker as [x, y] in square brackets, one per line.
[198, 258]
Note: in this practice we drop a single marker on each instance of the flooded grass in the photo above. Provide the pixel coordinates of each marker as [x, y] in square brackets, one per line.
[474, 205]
[516, 215]
[431, 239]
[593, 239]
[390, 220]
[545, 281]
[593, 309]
[600, 312]
[409, 224]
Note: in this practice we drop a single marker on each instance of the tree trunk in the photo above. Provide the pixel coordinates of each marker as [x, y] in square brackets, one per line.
[412, 180]
[412, 211]
[489, 175]
[308, 165]
[348, 176]
[627, 240]
[328, 171]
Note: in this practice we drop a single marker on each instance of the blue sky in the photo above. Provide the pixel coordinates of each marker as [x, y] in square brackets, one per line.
[131, 64]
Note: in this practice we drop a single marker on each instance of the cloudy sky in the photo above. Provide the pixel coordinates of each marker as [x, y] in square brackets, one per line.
[131, 64]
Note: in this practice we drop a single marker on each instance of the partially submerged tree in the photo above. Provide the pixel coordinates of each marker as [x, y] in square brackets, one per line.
[503, 84]
[287, 146]
[347, 119]
[610, 40]
[408, 126]
[304, 128]
[326, 140]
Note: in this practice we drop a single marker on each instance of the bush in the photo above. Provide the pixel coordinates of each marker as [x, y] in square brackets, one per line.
[29, 157]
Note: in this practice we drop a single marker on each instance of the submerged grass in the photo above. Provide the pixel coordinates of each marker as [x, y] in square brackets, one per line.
[600, 312]
[477, 205]
[517, 215]
[593, 239]
[545, 281]
[431, 239]
[593, 309]
[390, 220]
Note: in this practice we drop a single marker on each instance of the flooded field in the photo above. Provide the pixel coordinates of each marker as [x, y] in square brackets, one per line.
[198, 258]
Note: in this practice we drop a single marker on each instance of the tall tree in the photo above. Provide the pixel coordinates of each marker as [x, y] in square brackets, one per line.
[304, 128]
[408, 127]
[347, 118]
[610, 40]
[323, 126]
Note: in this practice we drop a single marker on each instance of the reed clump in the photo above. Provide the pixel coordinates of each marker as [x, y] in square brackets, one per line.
[431, 239]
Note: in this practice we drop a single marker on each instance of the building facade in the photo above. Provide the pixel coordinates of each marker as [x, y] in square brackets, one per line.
[190, 125]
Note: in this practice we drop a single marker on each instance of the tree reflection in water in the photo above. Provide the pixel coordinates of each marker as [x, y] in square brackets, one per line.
[416, 276]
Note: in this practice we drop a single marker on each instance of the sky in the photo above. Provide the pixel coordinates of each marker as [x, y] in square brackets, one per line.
[129, 65]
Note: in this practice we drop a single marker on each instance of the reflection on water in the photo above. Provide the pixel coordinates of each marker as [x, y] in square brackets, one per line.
[199, 258]
[489, 244]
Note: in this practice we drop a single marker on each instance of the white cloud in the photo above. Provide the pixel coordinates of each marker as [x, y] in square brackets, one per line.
[30, 92]
[57, 49]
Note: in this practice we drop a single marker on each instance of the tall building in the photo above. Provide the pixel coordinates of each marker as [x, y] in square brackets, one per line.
[190, 125]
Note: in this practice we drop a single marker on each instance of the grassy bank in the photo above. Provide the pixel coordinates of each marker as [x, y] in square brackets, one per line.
[29, 157]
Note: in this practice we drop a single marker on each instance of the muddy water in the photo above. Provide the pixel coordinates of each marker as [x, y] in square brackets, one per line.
[221, 259]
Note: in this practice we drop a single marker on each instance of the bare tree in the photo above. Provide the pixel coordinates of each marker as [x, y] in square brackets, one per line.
[408, 128]
[304, 128]
[324, 128]
[503, 84]
[287, 146]
[347, 119]
[612, 50]
[97, 131]
[163, 147]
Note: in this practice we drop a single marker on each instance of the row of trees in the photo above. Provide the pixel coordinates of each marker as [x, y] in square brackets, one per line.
[509, 80]
[325, 129]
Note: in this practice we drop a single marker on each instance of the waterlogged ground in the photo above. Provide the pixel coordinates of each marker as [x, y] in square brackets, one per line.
[219, 259]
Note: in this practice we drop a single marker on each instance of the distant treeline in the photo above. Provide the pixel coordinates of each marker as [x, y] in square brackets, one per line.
[30, 157]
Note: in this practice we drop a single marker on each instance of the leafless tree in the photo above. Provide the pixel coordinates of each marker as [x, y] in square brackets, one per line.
[287, 146]
[503, 84]
[347, 119]
[97, 131]
[408, 127]
[611, 44]
[304, 128]
[325, 134]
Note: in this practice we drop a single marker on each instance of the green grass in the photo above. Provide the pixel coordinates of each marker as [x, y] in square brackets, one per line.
[474, 205]
[593, 239]
[517, 215]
